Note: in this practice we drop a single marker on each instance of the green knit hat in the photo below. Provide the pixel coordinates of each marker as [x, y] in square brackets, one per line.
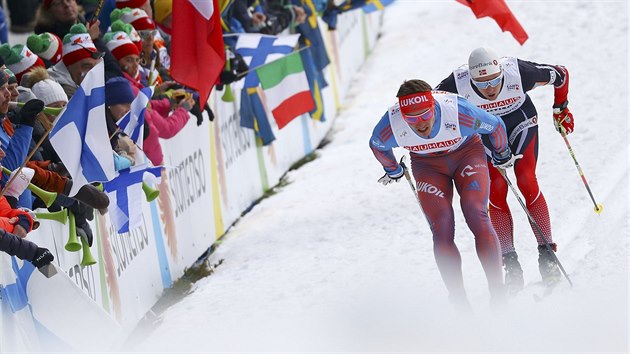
[19, 59]
[46, 45]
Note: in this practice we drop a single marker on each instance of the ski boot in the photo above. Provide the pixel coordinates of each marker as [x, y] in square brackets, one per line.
[547, 265]
[513, 273]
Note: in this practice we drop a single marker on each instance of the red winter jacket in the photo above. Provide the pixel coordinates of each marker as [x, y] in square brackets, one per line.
[6, 213]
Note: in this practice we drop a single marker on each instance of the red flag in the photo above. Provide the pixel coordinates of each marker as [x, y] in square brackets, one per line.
[500, 12]
[197, 50]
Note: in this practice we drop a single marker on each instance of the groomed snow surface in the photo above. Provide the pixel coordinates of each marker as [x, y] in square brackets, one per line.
[337, 262]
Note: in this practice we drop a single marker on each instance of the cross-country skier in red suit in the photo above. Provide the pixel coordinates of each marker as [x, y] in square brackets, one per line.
[499, 86]
[441, 131]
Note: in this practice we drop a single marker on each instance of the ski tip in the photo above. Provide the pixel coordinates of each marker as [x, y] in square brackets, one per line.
[599, 208]
[48, 270]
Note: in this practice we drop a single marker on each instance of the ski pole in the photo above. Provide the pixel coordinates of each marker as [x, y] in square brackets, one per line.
[531, 220]
[408, 177]
[598, 207]
[413, 188]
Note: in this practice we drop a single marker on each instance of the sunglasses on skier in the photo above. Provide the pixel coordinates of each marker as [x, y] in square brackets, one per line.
[417, 118]
[490, 83]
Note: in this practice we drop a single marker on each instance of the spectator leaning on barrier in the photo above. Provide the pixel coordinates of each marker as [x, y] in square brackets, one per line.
[118, 98]
[146, 29]
[14, 225]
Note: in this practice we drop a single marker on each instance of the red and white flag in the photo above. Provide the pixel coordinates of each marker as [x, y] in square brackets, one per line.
[197, 49]
[500, 12]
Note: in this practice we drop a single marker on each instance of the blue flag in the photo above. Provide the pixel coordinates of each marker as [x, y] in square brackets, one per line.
[253, 115]
[80, 135]
[125, 195]
[259, 49]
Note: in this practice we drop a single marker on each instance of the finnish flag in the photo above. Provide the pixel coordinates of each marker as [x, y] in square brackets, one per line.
[126, 195]
[132, 123]
[80, 134]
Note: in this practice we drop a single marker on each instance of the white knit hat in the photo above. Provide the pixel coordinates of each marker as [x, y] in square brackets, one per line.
[483, 62]
[49, 91]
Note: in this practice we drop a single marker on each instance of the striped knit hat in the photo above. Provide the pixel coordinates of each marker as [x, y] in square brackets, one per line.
[19, 59]
[129, 3]
[120, 44]
[46, 45]
[77, 45]
[119, 26]
[135, 17]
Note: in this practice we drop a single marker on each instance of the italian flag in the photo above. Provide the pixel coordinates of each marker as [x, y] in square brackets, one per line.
[286, 88]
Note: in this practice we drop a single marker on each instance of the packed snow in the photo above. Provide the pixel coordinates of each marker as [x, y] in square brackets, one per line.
[337, 262]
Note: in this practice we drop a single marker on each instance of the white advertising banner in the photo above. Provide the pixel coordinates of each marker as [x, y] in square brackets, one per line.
[212, 174]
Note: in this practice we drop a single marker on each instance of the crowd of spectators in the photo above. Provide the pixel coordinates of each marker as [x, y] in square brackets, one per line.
[132, 38]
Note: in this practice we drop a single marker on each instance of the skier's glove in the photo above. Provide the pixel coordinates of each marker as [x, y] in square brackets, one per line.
[563, 118]
[505, 159]
[391, 177]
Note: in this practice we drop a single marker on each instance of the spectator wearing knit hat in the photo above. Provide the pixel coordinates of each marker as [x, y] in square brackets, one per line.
[118, 98]
[127, 54]
[47, 46]
[79, 57]
[142, 23]
[119, 26]
[154, 57]
[15, 140]
[136, 4]
[19, 59]
[59, 16]
[12, 84]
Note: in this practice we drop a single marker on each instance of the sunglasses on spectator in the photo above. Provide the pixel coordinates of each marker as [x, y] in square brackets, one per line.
[94, 55]
[144, 34]
[417, 118]
[490, 83]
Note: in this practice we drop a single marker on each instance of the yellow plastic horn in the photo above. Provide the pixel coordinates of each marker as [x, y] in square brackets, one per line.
[73, 244]
[58, 216]
[149, 192]
[46, 196]
[87, 258]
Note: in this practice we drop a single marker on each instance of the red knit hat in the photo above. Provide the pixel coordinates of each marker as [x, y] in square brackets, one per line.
[77, 45]
[120, 45]
[129, 3]
[138, 19]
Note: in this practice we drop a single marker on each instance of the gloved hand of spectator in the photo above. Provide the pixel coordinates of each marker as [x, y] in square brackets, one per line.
[42, 257]
[29, 112]
[391, 177]
[563, 118]
[504, 159]
[86, 232]
[186, 103]
[20, 183]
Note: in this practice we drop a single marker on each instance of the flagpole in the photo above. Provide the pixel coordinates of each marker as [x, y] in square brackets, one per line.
[244, 73]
